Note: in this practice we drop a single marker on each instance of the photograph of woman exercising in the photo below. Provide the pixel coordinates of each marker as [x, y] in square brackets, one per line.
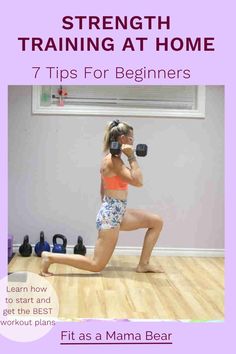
[114, 216]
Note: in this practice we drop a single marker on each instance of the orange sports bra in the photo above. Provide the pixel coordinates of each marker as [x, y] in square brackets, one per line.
[114, 183]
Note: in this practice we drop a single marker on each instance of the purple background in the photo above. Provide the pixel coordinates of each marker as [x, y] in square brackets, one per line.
[200, 18]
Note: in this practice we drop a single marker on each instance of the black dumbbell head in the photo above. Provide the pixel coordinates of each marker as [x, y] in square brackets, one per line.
[115, 148]
[141, 150]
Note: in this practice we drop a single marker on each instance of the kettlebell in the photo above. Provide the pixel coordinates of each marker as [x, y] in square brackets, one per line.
[80, 247]
[25, 249]
[58, 247]
[42, 245]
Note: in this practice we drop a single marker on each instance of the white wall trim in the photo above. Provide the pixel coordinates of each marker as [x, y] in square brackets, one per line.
[158, 251]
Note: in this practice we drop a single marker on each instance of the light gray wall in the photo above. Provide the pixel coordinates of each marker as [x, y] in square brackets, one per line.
[54, 174]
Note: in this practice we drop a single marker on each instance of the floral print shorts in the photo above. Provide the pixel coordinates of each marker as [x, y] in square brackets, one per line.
[111, 213]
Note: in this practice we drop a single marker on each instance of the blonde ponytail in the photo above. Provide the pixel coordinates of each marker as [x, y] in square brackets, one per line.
[113, 130]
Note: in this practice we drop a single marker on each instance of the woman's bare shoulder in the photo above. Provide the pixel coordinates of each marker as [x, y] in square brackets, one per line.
[105, 164]
[109, 164]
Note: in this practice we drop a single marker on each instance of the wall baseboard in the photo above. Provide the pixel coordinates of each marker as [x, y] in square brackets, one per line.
[158, 251]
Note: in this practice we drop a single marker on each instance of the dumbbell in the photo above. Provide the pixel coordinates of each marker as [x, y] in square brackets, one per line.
[115, 149]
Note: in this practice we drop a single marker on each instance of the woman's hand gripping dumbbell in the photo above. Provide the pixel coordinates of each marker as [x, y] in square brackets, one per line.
[116, 149]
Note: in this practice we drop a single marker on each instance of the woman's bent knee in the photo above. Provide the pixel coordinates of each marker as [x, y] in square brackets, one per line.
[158, 222]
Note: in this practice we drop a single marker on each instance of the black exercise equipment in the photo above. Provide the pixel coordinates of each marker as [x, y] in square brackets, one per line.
[80, 247]
[115, 149]
[25, 249]
[42, 245]
[59, 247]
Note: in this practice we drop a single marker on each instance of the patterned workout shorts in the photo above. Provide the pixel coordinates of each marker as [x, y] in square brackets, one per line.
[111, 213]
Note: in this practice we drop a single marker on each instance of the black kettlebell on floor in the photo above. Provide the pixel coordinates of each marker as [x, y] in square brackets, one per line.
[80, 247]
[42, 245]
[59, 247]
[25, 249]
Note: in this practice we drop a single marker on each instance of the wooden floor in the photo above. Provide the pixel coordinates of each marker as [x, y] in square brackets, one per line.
[189, 289]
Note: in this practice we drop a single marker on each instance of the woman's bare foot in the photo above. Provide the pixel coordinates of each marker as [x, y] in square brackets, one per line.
[45, 263]
[147, 268]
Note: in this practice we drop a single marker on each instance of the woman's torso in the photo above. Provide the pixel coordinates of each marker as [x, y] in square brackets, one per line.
[110, 178]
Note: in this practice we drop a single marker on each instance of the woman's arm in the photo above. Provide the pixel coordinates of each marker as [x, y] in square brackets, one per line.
[135, 172]
[132, 175]
[102, 189]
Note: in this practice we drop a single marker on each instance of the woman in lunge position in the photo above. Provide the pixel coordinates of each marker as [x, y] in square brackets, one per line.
[114, 216]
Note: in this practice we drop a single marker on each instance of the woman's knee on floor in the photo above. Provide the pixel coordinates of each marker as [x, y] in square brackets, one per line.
[98, 266]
